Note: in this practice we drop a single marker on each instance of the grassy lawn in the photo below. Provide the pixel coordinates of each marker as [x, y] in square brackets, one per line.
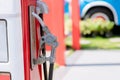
[96, 43]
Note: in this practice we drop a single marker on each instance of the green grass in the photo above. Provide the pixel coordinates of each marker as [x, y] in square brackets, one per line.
[96, 43]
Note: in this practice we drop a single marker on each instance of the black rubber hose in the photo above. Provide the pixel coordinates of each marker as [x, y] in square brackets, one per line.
[51, 71]
[43, 52]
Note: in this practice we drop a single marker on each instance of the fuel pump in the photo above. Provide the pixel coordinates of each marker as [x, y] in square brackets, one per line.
[22, 54]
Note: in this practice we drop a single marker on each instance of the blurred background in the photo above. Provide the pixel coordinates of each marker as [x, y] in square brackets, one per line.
[99, 39]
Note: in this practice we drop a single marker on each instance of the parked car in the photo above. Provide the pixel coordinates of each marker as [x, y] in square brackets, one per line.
[105, 9]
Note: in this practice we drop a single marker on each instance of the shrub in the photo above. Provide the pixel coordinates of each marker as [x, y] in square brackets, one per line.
[100, 26]
[89, 26]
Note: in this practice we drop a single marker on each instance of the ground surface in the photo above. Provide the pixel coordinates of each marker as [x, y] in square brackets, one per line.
[90, 65]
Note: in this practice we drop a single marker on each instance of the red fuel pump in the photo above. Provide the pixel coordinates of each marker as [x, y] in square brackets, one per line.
[23, 36]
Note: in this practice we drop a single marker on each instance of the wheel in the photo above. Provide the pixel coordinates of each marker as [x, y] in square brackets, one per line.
[100, 12]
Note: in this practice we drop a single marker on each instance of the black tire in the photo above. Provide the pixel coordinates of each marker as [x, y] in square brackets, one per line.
[103, 10]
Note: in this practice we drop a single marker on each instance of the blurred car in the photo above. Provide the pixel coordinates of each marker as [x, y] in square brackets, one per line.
[105, 9]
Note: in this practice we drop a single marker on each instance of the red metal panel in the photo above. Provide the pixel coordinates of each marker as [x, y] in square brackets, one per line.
[25, 47]
[29, 74]
[75, 24]
[5, 76]
[55, 22]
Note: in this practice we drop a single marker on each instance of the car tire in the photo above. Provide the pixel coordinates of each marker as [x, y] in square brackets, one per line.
[102, 12]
